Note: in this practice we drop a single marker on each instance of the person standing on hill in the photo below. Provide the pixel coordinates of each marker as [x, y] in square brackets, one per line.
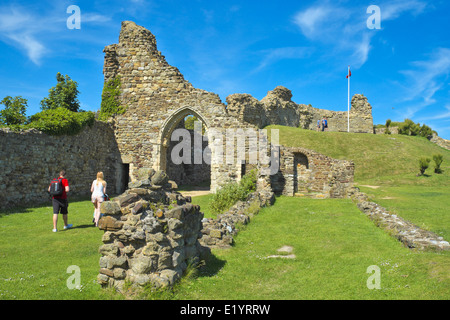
[59, 199]
[325, 124]
[98, 189]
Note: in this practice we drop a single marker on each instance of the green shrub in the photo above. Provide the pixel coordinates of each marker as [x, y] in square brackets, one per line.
[61, 121]
[110, 104]
[409, 127]
[437, 158]
[388, 123]
[232, 192]
[423, 164]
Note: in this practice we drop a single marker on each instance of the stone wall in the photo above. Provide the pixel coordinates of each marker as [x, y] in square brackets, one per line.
[304, 171]
[157, 98]
[278, 108]
[31, 159]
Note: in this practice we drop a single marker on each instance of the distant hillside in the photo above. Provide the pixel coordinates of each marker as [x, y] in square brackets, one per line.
[379, 157]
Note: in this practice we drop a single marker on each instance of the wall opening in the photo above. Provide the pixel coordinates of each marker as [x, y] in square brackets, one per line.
[301, 173]
[194, 172]
[125, 177]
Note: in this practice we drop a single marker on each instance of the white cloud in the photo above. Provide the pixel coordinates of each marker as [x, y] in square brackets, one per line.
[442, 116]
[393, 9]
[277, 54]
[35, 50]
[31, 32]
[424, 79]
[20, 27]
[344, 29]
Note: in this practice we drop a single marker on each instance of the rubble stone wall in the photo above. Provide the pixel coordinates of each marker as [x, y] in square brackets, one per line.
[30, 159]
[278, 108]
[157, 98]
[306, 171]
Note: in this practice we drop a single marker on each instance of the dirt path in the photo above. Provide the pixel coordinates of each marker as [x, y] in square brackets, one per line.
[195, 193]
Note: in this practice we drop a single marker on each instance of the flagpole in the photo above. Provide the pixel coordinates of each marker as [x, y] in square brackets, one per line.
[348, 101]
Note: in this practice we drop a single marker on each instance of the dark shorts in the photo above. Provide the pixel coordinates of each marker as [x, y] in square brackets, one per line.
[60, 206]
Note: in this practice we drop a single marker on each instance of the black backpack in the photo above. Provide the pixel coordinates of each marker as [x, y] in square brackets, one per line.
[56, 187]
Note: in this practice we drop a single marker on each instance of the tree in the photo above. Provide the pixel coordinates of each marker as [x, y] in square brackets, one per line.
[423, 165]
[388, 123]
[14, 111]
[437, 158]
[63, 95]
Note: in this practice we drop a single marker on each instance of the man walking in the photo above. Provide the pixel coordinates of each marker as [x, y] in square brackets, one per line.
[60, 203]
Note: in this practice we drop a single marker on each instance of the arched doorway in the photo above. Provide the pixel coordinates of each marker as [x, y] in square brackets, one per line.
[184, 149]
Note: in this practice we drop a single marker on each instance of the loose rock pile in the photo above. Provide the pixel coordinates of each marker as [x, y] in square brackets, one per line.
[409, 234]
[151, 235]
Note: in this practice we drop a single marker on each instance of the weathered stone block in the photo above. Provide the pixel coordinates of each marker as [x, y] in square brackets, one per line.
[108, 223]
[175, 213]
[160, 178]
[110, 208]
[108, 249]
[126, 199]
[140, 265]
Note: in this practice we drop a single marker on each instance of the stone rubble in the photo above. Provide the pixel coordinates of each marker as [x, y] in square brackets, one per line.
[406, 232]
[152, 233]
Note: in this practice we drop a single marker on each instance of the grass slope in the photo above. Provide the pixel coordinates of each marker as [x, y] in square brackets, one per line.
[389, 165]
[377, 158]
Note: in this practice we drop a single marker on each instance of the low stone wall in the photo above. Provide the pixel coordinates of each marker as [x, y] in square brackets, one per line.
[219, 232]
[406, 232]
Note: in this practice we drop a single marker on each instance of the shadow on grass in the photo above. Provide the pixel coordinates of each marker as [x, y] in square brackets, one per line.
[212, 266]
[44, 203]
[84, 226]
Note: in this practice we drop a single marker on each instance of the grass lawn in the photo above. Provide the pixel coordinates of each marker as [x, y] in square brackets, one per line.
[333, 241]
[34, 260]
[334, 244]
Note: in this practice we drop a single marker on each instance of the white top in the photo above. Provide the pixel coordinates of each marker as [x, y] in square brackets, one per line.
[99, 189]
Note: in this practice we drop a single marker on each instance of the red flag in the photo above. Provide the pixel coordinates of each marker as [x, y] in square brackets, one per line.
[349, 73]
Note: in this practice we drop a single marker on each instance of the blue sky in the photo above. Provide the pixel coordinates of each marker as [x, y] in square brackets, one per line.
[246, 47]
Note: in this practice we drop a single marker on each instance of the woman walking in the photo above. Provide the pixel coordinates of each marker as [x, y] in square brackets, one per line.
[98, 190]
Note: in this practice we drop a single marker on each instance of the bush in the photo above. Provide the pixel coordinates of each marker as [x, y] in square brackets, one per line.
[437, 158]
[61, 121]
[423, 164]
[232, 192]
[409, 127]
